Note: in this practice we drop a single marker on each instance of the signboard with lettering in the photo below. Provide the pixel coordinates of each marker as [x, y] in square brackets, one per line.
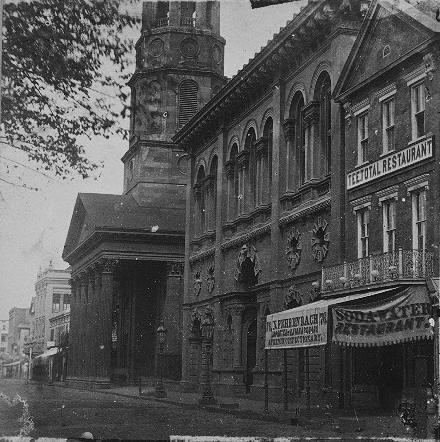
[390, 163]
[305, 327]
[404, 317]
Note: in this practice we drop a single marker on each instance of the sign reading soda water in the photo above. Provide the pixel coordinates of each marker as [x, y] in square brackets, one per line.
[300, 327]
[403, 317]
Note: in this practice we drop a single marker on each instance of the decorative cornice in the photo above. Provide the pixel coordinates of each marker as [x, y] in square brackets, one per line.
[417, 182]
[299, 212]
[201, 255]
[260, 231]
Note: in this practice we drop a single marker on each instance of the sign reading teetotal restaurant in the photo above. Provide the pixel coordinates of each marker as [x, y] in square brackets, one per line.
[404, 317]
[390, 163]
[294, 329]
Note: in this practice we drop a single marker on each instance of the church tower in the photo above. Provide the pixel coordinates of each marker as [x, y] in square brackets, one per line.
[179, 67]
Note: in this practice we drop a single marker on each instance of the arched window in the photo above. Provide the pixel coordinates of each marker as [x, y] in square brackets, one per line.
[249, 146]
[199, 196]
[188, 101]
[163, 13]
[233, 189]
[297, 169]
[268, 139]
[213, 193]
[188, 13]
[323, 88]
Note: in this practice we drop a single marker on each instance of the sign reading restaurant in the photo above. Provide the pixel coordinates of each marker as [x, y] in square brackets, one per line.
[390, 163]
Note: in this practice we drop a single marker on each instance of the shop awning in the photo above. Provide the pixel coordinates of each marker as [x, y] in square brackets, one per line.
[400, 318]
[306, 325]
[52, 351]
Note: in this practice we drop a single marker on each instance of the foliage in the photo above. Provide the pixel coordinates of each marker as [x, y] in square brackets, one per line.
[58, 55]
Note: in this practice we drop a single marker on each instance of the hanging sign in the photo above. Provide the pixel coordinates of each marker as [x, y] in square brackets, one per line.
[299, 327]
[404, 317]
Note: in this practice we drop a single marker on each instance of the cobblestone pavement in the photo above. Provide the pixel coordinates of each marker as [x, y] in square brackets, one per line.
[67, 413]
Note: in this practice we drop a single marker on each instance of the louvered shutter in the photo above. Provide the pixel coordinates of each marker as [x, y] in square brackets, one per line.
[187, 101]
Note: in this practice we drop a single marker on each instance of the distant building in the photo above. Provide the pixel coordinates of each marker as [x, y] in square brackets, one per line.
[52, 298]
[19, 328]
[4, 331]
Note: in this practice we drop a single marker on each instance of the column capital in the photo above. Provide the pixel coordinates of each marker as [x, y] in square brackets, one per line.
[289, 128]
[243, 159]
[262, 147]
[197, 189]
[229, 168]
[175, 269]
[311, 113]
[237, 310]
[108, 265]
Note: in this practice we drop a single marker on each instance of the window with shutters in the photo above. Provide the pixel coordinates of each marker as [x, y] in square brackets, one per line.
[187, 101]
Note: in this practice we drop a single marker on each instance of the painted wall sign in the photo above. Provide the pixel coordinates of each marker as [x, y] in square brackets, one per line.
[390, 163]
[304, 328]
[404, 317]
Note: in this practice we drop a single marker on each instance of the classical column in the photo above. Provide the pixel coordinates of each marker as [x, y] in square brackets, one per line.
[82, 326]
[91, 323]
[289, 136]
[98, 322]
[313, 150]
[109, 267]
[237, 312]
[73, 329]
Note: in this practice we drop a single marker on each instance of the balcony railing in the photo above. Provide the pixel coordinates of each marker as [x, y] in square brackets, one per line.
[400, 264]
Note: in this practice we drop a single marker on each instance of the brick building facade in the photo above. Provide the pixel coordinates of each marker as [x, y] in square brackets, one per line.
[270, 196]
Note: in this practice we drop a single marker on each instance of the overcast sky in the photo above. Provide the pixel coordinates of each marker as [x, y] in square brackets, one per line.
[33, 224]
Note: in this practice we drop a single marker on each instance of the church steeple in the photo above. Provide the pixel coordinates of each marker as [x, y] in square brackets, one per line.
[179, 67]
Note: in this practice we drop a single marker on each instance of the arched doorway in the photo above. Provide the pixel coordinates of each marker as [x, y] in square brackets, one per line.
[251, 354]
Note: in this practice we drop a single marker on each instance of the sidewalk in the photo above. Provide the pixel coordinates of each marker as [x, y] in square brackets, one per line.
[335, 422]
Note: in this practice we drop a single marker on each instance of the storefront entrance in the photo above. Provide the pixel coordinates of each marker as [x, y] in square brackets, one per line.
[381, 376]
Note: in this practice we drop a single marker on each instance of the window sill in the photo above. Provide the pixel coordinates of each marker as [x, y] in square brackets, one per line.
[384, 154]
[361, 165]
[246, 217]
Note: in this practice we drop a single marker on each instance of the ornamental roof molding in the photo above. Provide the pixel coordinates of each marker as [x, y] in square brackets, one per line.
[202, 255]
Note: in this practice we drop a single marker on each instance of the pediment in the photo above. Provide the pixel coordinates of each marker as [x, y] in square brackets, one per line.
[388, 33]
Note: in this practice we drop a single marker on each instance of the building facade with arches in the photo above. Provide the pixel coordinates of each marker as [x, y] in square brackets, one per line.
[262, 222]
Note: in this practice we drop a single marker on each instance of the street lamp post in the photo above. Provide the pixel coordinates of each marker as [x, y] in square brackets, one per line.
[161, 333]
[207, 328]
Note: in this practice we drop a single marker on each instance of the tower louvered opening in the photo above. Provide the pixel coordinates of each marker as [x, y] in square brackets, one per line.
[187, 101]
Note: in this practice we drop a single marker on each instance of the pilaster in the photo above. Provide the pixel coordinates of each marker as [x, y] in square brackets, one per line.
[236, 313]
